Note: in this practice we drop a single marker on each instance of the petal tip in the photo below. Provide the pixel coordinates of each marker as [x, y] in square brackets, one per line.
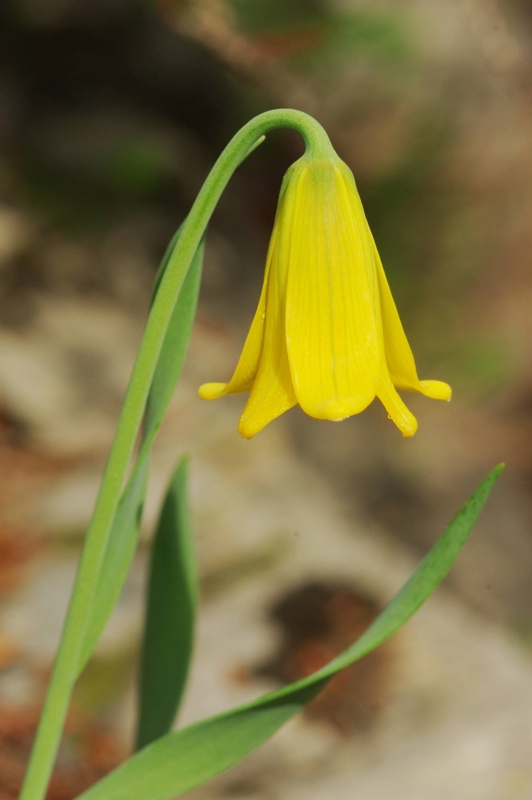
[406, 423]
[410, 429]
[247, 429]
[211, 391]
[398, 412]
[437, 390]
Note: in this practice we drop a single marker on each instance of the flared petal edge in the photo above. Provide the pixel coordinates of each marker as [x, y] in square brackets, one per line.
[212, 391]
[437, 390]
[396, 408]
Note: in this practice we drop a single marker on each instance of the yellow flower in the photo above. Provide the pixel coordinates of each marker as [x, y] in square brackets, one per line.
[326, 333]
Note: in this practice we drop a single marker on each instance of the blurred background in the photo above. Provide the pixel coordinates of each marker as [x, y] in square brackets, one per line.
[111, 115]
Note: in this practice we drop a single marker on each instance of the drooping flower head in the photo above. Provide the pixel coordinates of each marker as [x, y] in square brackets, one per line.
[326, 334]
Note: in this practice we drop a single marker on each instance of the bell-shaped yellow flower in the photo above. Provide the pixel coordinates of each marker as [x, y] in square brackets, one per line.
[326, 333]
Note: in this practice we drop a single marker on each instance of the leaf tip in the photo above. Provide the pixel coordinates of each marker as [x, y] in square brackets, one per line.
[184, 462]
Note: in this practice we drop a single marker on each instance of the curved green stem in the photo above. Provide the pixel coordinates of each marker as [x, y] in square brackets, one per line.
[68, 655]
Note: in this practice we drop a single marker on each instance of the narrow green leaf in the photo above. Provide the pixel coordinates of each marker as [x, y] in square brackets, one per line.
[174, 349]
[180, 761]
[126, 526]
[170, 615]
[118, 555]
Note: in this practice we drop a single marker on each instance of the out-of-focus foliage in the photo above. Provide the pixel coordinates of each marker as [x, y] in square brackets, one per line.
[313, 34]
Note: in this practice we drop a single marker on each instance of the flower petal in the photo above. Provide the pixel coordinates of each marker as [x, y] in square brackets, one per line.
[438, 390]
[272, 392]
[248, 363]
[332, 332]
[399, 356]
[397, 410]
[212, 391]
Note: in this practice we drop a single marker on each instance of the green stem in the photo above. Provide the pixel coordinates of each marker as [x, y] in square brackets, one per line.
[67, 660]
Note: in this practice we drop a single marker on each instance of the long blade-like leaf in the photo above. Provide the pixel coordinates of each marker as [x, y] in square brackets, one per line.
[170, 615]
[174, 349]
[125, 530]
[180, 761]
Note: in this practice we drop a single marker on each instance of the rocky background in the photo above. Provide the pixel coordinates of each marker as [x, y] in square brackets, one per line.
[111, 115]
